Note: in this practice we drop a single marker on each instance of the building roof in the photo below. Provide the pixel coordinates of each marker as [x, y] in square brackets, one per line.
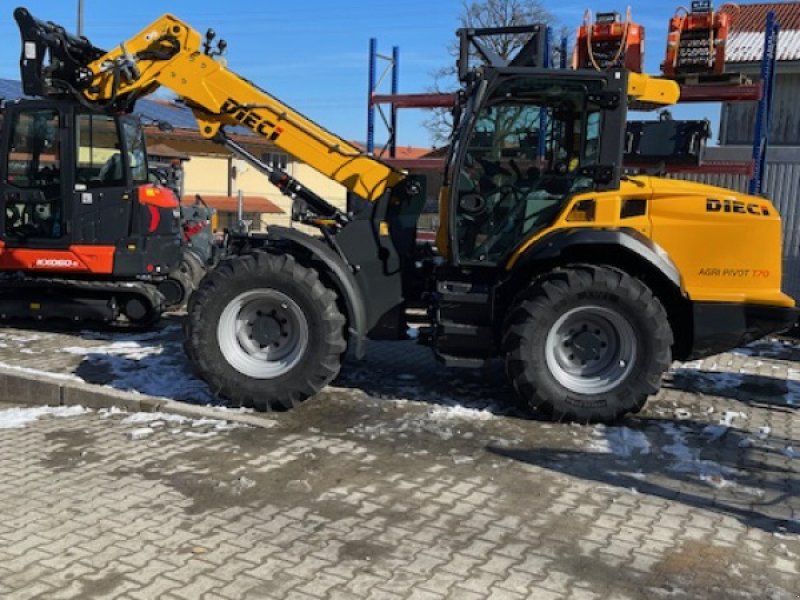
[403, 152]
[753, 17]
[252, 204]
[411, 152]
[746, 39]
[166, 151]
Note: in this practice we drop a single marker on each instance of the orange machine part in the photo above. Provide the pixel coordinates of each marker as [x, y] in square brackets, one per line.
[97, 260]
[602, 41]
[696, 43]
[158, 196]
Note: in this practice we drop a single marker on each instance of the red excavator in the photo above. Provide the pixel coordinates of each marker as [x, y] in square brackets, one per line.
[83, 233]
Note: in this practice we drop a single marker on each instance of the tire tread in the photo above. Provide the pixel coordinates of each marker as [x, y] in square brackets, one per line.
[525, 319]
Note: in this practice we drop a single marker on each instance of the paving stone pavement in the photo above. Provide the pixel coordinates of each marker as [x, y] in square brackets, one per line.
[403, 480]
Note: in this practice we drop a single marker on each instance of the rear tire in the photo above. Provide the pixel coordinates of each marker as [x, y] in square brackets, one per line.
[587, 343]
[264, 332]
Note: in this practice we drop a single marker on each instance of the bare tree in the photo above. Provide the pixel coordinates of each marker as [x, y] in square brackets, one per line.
[481, 14]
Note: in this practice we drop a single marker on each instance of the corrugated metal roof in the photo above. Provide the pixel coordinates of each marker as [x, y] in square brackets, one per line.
[748, 46]
[753, 17]
[746, 40]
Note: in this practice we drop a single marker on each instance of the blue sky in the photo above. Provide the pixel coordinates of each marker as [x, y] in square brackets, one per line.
[312, 54]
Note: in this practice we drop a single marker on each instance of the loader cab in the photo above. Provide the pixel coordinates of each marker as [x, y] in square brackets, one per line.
[68, 174]
[528, 140]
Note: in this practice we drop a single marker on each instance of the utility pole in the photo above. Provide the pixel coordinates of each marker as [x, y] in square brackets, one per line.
[80, 17]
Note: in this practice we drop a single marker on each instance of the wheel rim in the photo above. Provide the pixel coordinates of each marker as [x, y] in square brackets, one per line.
[263, 333]
[591, 349]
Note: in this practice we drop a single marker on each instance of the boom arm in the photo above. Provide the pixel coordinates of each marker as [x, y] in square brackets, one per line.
[170, 53]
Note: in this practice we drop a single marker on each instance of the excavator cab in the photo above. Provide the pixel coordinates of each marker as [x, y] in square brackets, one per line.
[73, 178]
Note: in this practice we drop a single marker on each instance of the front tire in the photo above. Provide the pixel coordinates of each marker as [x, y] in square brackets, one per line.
[265, 332]
[587, 343]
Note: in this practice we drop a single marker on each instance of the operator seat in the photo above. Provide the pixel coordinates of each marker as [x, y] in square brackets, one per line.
[111, 171]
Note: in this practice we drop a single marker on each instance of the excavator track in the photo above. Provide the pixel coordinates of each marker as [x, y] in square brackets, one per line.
[129, 303]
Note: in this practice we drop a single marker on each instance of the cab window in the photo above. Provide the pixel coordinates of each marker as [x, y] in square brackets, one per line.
[98, 152]
[34, 157]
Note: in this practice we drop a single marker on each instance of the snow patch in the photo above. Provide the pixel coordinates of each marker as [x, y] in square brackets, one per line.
[729, 416]
[17, 418]
[110, 412]
[141, 433]
[441, 421]
[157, 419]
[715, 432]
[39, 373]
[619, 441]
[681, 414]
[142, 417]
[686, 459]
[443, 413]
[129, 349]
[18, 338]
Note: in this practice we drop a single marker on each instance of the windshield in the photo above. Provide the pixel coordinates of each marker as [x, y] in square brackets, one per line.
[521, 163]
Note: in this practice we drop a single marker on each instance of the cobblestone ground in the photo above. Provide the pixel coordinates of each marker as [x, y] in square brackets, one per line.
[404, 480]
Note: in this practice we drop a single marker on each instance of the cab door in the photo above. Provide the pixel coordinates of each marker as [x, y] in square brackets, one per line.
[35, 183]
[101, 188]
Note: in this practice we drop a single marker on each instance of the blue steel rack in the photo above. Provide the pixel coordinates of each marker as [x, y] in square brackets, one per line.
[764, 112]
[392, 67]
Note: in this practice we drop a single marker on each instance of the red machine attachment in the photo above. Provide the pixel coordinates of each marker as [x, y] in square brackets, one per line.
[697, 38]
[608, 43]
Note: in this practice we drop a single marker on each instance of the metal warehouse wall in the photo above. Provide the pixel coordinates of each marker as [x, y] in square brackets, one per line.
[782, 186]
[738, 119]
